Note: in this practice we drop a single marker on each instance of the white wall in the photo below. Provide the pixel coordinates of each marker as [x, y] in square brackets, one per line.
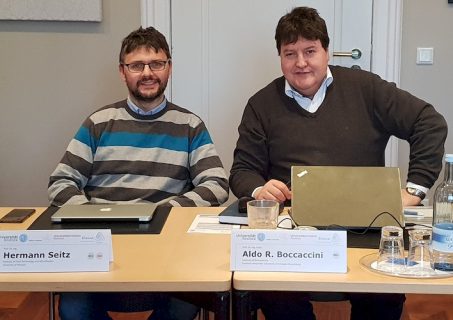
[428, 24]
[53, 75]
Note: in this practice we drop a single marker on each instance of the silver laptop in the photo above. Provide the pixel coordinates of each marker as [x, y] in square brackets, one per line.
[347, 196]
[105, 212]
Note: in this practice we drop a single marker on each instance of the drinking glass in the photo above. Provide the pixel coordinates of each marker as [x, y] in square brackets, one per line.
[262, 214]
[391, 250]
[419, 257]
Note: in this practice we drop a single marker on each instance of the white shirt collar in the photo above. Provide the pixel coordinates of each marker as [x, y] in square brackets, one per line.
[311, 105]
[139, 111]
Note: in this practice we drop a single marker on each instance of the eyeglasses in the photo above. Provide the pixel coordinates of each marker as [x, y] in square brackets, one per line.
[155, 65]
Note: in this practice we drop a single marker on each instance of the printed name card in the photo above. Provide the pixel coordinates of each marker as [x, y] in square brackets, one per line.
[288, 250]
[55, 250]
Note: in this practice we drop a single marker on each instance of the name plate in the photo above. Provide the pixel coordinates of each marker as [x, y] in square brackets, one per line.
[288, 250]
[55, 250]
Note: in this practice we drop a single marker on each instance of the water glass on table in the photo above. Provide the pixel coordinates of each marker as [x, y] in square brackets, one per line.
[262, 214]
[391, 250]
[419, 256]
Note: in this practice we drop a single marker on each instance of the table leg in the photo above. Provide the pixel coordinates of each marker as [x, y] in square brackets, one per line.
[216, 302]
[51, 306]
[221, 305]
[243, 305]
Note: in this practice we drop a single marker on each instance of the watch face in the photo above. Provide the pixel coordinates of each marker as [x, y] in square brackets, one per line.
[416, 192]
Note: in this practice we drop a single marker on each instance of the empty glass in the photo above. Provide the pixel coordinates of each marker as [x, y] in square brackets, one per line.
[262, 214]
[418, 259]
[391, 250]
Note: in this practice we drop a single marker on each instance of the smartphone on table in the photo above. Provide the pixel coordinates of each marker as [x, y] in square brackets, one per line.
[17, 215]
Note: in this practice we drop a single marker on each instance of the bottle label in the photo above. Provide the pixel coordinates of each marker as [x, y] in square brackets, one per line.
[443, 237]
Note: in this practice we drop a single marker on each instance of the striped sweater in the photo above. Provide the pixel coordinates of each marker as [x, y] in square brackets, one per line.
[120, 156]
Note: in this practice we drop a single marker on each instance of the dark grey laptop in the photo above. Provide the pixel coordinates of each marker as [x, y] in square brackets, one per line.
[347, 196]
[105, 212]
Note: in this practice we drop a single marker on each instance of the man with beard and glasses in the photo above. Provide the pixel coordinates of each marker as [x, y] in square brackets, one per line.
[142, 149]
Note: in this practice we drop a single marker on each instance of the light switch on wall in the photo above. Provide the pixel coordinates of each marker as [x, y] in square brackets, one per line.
[425, 55]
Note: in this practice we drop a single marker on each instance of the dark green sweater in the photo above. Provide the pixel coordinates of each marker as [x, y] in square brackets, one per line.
[351, 128]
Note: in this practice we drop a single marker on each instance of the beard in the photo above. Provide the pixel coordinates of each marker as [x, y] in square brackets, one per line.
[139, 96]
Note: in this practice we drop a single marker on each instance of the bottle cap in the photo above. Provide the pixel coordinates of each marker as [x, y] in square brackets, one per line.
[449, 157]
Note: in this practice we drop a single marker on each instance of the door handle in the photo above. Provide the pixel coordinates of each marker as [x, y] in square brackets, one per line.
[354, 54]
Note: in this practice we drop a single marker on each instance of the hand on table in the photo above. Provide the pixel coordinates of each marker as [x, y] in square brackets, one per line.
[273, 190]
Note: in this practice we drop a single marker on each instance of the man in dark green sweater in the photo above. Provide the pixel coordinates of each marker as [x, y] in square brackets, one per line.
[317, 114]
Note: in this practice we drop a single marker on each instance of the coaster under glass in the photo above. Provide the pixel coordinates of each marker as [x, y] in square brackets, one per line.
[370, 262]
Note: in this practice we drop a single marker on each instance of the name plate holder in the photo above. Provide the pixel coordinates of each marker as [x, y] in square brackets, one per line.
[288, 250]
[55, 250]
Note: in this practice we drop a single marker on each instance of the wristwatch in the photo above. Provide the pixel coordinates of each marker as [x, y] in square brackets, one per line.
[416, 192]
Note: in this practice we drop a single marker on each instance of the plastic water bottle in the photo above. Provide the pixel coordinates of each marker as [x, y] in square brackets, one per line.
[442, 239]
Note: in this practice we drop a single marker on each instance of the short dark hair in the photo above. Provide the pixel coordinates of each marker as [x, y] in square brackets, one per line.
[149, 38]
[302, 22]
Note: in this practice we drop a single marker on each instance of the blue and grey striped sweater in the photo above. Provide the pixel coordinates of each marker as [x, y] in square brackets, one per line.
[120, 156]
